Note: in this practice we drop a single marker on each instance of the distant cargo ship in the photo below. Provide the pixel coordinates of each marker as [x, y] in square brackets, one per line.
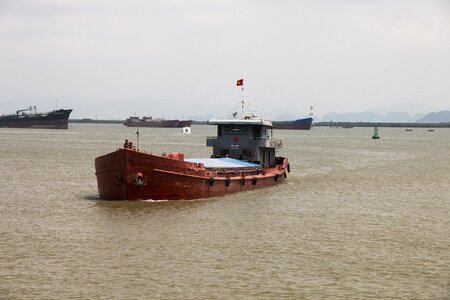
[184, 123]
[157, 122]
[26, 118]
[302, 124]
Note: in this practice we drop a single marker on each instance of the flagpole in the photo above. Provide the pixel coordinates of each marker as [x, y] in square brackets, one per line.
[240, 82]
[242, 102]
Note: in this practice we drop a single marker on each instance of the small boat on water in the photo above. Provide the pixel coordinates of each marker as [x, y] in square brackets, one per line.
[156, 122]
[30, 118]
[243, 158]
[375, 135]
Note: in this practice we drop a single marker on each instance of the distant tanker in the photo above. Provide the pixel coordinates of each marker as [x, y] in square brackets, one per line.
[26, 118]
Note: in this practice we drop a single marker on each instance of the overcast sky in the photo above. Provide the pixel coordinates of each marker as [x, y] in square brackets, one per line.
[177, 58]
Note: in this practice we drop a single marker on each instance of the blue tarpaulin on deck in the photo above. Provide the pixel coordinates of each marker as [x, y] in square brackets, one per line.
[224, 162]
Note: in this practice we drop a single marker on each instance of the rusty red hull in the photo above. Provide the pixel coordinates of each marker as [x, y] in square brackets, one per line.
[128, 174]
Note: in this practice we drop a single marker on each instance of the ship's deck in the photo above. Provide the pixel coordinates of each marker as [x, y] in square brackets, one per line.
[223, 162]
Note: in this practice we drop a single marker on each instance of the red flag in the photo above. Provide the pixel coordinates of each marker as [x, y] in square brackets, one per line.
[240, 82]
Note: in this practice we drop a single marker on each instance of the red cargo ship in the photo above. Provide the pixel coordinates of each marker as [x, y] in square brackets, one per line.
[243, 159]
[157, 122]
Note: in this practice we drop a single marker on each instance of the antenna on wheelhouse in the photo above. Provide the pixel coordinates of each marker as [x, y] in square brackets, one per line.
[137, 137]
[242, 104]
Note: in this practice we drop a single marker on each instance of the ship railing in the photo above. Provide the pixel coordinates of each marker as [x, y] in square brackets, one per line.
[275, 143]
[240, 173]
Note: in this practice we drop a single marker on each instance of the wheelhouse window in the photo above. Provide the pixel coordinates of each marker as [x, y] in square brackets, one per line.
[257, 131]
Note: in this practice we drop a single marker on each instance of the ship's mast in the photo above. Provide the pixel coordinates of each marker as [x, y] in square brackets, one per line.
[240, 82]
[137, 137]
[242, 103]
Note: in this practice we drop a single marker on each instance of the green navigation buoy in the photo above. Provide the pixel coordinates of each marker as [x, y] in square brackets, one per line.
[375, 133]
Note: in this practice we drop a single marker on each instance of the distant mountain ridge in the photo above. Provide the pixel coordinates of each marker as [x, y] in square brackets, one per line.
[391, 117]
[367, 116]
[433, 117]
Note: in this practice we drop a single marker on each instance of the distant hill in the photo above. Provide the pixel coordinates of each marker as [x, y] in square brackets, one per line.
[398, 116]
[366, 116]
[436, 117]
[369, 116]
[410, 108]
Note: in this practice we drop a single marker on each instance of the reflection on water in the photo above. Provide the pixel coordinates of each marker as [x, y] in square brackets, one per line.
[357, 218]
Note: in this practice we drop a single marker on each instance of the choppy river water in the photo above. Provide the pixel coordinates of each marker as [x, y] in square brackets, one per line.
[357, 218]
